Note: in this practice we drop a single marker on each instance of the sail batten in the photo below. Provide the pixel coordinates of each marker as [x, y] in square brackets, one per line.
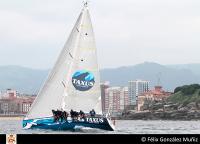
[74, 82]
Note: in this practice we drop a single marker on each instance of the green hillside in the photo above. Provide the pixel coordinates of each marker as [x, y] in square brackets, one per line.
[186, 94]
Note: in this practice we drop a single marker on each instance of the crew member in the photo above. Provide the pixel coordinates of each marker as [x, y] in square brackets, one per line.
[82, 114]
[55, 115]
[65, 115]
[92, 113]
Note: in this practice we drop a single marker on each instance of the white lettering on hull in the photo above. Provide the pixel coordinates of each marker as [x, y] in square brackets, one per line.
[95, 120]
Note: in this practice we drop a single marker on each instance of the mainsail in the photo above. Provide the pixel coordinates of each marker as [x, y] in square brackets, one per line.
[74, 82]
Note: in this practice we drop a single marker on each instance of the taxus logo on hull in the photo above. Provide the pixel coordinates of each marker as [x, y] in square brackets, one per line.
[83, 80]
[95, 120]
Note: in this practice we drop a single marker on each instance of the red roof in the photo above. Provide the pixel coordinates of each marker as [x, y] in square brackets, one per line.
[158, 91]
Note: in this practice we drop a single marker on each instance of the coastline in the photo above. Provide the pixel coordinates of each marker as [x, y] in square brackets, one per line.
[11, 117]
[160, 115]
[145, 118]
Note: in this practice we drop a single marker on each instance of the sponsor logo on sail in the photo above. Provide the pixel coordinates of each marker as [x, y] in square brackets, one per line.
[83, 80]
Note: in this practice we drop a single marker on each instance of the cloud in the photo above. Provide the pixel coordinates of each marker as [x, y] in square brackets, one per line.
[17, 28]
[129, 31]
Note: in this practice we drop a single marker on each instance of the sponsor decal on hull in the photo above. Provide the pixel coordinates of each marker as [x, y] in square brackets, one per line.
[95, 120]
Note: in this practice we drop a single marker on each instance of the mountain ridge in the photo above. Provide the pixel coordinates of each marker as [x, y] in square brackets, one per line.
[29, 80]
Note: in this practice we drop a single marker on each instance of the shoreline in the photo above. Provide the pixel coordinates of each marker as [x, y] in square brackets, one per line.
[11, 117]
[117, 119]
[174, 115]
[157, 119]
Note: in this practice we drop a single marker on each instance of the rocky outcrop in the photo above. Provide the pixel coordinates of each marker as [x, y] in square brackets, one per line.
[168, 115]
[168, 111]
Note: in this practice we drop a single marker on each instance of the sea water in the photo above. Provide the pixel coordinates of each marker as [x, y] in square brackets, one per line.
[8, 126]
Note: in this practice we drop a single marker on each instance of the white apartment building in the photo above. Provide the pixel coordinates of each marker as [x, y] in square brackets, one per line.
[136, 88]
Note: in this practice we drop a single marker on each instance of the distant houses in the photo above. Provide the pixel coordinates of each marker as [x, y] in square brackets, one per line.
[155, 95]
[114, 100]
[15, 104]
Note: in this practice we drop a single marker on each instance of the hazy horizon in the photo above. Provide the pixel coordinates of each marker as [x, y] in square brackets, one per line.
[127, 32]
[106, 67]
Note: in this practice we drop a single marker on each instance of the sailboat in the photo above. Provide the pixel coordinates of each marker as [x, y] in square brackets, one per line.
[72, 84]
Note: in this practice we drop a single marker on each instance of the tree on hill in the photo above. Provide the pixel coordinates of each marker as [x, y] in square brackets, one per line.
[187, 89]
[186, 95]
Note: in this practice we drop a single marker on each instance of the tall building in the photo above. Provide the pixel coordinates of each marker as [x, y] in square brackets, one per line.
[112, 100]
[124, 98]
[116, 100]
[104, 86]
[136, 88]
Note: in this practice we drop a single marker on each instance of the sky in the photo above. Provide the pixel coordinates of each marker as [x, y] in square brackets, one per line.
[127, 32]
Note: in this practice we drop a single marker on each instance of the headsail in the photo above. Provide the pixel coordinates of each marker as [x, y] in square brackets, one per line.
[74, 81]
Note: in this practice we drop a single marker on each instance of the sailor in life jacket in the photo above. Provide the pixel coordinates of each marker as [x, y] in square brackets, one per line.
[92, 113]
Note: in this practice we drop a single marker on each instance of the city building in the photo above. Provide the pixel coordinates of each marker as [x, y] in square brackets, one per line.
[103, 86]
[26, 103]
[136, 88]
[1, 95]
[124, 98]
[10, 93]
[157, 94]
[116, 100]
[11, 103]
[112, 100]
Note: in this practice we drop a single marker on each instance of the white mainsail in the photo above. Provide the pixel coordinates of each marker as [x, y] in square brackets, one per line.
[74, 82]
